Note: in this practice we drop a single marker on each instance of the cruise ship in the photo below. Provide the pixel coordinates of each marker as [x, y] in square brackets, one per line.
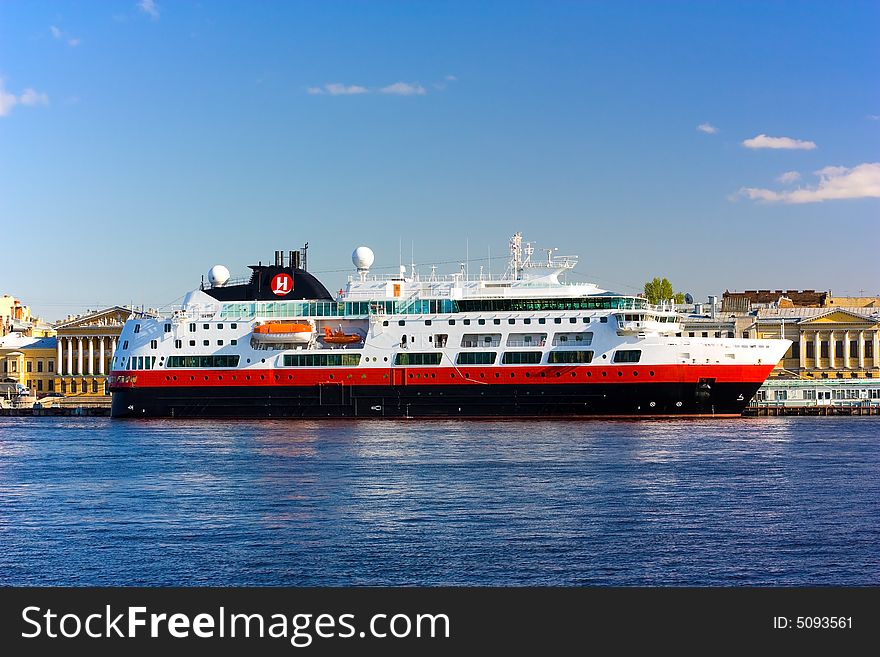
[530, 343]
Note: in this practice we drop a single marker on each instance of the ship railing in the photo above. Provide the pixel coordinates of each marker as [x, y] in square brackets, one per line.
[476, 343]
[526, 343]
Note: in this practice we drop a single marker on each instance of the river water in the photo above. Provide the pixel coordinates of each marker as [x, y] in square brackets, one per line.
[752, 501]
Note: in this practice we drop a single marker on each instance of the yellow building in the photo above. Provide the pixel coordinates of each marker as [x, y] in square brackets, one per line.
[827, 342]
[29, 362]
[84, 351]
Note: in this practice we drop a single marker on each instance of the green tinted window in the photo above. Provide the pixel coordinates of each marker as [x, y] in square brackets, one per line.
[202, 361]
[418, 359]
[521, 357]
[570, 357]
[322, 360]
[476, 358]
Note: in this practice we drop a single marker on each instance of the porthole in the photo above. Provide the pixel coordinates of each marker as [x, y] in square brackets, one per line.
[604, 373]
[651, 373]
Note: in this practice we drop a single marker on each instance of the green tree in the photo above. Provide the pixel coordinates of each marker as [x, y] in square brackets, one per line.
[660, 289]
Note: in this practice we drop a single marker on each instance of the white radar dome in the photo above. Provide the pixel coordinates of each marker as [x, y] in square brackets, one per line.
[218, 275]
[362, 257]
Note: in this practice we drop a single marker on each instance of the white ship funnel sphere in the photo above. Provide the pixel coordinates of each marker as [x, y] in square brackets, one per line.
[362, 257]
[218, 275]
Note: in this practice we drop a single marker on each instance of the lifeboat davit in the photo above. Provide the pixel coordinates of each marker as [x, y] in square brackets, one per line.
[289, 332]
[339, 337]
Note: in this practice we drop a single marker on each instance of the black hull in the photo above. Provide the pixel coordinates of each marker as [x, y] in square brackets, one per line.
[338, 401]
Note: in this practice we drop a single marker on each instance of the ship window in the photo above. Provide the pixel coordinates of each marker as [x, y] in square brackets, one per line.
[202, 361]
[417, 359]
[527, 321]
[219, 343]
[481, 322]
[168, 328]
[206, 326]
[154, 344]
[557, 320]
[125, 345]
[452, 322]
[511, 321]
[401, 322]
[570, 357]
[586, 320]
[440, 340]
[192, 328]
[541, 320]
[428, 322]
[220, 326]
[603, 320]
[584, 339]
[178, 344]
[137, 328]
[521, 357]
[192, 343]
[206, 342]
[322, 360]
[233, 342]
[572, 320]
[705, 334]
[476, 358]
[627, 356]
[467, 322]
[496, 321]
[233, 326]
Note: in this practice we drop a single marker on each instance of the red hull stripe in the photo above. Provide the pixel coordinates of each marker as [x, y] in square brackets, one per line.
[426, 376]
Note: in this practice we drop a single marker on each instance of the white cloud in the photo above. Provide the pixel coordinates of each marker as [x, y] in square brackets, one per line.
[73, 42]
[451, 78]
[404, 89]
[337, 89]
[789, 177]
[29, 97]
[7, 101]
[861, 181]
[873, 117]
[32, 97]
[708, 128]
[763, 141]
[149, 7]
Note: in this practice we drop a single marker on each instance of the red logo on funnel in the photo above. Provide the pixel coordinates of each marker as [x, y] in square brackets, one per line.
[282, 284]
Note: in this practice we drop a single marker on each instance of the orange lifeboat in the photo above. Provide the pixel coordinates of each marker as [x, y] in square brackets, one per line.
[292, 332]
[339, 337]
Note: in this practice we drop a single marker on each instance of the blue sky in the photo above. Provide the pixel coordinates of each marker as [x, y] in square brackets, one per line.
[724, 145]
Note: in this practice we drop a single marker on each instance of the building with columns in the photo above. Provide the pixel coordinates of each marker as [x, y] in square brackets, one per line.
[828, 343]
[84, 351]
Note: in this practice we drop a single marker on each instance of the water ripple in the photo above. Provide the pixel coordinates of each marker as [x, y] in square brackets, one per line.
[771, 501]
